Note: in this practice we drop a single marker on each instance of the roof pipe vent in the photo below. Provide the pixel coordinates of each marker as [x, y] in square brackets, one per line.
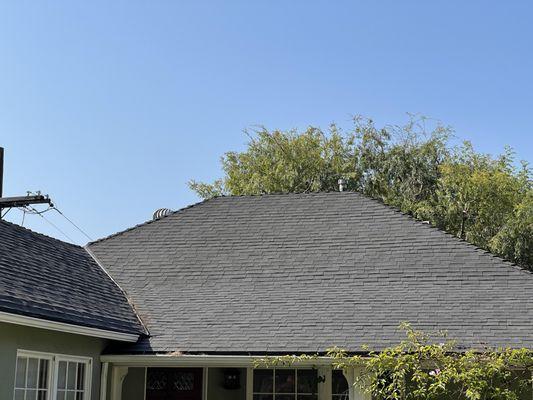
[162, 212]
[342, 185]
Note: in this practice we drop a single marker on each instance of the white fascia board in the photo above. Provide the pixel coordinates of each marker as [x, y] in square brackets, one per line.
[67, 328]
[164, 360]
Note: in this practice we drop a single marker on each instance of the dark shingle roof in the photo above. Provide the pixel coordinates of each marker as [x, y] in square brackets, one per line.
[304, 272]
[46, 278]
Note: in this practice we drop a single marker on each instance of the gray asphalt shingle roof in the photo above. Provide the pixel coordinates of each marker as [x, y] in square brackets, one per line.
[304, 272]
[46, 278]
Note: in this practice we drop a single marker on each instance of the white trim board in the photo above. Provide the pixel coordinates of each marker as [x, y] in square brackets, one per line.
[67, 328]
[140, 360]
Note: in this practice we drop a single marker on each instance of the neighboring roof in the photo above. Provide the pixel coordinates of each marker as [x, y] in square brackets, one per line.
[46, 278]
[303, 272]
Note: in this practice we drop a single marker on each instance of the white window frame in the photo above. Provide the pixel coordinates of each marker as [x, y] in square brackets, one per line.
[290, 368]
[53, 368]
[39, 356]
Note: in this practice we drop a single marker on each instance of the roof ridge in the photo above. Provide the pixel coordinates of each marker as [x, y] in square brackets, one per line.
[150, 221]
[358, 193]
[42, 235]
[124, 293]
[112, 235]
[445, 232]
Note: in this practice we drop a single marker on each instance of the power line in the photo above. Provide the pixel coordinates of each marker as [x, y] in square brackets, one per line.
[51, 223]
[73, 224]
[3, 215]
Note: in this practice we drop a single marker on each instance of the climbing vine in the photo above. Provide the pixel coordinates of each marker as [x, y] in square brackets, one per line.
[428, 367]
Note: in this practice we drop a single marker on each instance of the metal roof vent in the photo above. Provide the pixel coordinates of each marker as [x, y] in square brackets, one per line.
[342, 185]
[162, 212]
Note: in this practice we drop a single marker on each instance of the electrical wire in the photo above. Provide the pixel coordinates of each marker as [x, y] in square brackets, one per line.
[36, 212]
[8, 210]
[73, 224]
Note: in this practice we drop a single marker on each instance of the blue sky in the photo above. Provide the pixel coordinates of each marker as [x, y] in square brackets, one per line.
[111, 107]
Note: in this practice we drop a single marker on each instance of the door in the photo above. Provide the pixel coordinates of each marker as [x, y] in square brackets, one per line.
[174, 383]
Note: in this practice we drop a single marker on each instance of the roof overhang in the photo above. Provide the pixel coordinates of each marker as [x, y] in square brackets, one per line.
[164, 360]
[66, 328]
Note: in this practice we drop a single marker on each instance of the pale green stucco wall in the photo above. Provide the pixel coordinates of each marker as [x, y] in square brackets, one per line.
[13, 337]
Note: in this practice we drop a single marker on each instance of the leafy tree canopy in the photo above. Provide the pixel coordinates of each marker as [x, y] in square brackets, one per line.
[485, 200]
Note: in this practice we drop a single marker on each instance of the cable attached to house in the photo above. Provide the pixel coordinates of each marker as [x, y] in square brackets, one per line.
[4, 214]
[40, 213]
[73, 224]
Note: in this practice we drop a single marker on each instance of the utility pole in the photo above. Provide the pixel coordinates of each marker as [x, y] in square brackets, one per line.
[1, 172]
[18, 201]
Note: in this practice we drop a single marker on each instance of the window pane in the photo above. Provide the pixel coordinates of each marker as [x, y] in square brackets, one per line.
[62, 375]
[263, 380]
[43, 374]
[339, 383]
[70, 396]
[263, 397]
[60, 395]
[71, 375]
[81, 377]
[307, 381]
[285, 397]
[285, 381]
[79, 395]
[31, 394]
[19, 394]
[21, 372]
[41, 395]
[33, 366]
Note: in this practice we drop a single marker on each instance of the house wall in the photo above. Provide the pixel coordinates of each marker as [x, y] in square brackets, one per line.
[133, 387]
[18, 337]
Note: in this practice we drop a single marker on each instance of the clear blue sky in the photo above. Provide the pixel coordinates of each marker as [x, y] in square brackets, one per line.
[111, 107]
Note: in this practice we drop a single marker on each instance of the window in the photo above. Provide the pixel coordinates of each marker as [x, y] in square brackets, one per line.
[285, 384]
[71, 377]
[32, 377]
[42, 376]
[339, 386]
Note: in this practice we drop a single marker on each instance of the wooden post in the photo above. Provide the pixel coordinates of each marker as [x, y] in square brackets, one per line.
[249, 383]
[117, 379]
[355, 393]
[324, 388]
[103, 381]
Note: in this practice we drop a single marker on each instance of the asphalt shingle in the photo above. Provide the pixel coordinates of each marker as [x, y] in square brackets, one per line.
[304, 272]
[46, 278]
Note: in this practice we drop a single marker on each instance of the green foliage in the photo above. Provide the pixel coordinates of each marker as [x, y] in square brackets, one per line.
[477, 194]
[285, 162]
[482, 199]
[514, 241]
[426, 367]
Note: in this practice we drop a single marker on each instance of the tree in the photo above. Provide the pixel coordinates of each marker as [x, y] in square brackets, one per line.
[285, 162]
[482, 199]
[514, 240]
[477, 194]
[397, 164]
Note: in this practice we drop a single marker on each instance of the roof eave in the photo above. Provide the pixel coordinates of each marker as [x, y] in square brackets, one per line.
[18, 319]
